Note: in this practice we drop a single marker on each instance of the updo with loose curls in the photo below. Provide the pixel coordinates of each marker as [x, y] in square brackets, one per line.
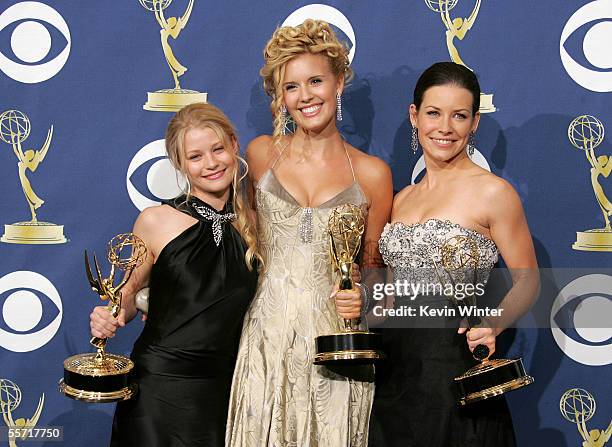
[288, 42]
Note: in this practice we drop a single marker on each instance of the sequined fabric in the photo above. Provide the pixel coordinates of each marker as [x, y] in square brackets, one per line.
[414, 252]
[279, 398]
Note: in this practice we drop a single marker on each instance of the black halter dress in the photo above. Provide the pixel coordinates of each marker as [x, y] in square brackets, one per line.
[200, 289]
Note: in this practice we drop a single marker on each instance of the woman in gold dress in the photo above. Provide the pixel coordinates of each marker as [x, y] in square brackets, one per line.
[279, 398]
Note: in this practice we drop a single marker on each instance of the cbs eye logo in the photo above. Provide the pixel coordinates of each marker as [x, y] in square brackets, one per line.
[29, 24]
[328, 14]
[594, 69]
[583, 308]
[29, 319]
[151, 177]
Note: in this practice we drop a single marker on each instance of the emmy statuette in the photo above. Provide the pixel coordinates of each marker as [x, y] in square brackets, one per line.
[586, 133]
[170, 99]
[100, 376]
[351, 346]
[457, 28]
[491, 377]
[14, 130]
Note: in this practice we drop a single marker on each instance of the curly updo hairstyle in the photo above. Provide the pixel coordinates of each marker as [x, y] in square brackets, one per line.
[288, 42]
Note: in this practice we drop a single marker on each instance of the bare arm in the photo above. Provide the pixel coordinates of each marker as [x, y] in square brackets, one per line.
[510, 232]
[375, 178]
[102, 323]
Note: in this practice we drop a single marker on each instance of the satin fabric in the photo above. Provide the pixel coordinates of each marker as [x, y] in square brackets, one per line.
[185, 356]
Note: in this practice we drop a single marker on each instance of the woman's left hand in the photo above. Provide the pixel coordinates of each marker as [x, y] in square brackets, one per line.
[348, 303]
[480, 336]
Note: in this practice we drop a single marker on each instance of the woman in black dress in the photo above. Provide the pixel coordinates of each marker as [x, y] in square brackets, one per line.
[201, 275]
[416, 403]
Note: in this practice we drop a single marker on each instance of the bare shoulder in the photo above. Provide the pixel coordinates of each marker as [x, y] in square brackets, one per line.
[401, 196]
[369, 168]
[495, 187]
[260, 154]
[154, 218]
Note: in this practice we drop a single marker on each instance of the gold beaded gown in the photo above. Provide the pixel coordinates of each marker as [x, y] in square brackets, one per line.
[279, 397]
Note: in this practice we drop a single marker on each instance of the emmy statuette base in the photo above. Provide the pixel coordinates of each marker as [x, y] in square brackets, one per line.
[33, 233]
[172, 100]
[90, 379]
[486, 103]
[358, 347]
[593, 240]
[491, 378]
[97, 397]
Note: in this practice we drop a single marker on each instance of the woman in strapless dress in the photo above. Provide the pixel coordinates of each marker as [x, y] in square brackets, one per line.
[416, 403]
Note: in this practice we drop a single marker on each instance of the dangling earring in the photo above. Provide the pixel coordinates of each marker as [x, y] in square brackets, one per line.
[283, 117]
[471, 147]
[338, 107]
[414, 144]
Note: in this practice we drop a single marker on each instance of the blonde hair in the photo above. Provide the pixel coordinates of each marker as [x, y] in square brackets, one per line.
[288, 42]
[201, 115]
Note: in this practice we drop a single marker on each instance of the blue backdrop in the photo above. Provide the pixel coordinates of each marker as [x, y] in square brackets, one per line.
[86, 68]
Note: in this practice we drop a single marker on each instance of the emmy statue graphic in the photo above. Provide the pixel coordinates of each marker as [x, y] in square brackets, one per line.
[586, 133]
[458, 28]
[173, 99]
[578, 406]
[351, 346]
[14, 130]
[100, 376]
[10, 398]
[459, 261]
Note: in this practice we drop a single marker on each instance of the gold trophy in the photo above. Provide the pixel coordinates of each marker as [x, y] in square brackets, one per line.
[171, 99]
[578, 406]
[352, 346]
[14, 130]
[100, 376]
[458, 28]
[586, 133]
[460, 258]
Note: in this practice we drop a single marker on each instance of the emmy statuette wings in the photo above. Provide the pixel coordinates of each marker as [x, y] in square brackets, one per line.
[460, 258]
[100, 376]
[345, 227]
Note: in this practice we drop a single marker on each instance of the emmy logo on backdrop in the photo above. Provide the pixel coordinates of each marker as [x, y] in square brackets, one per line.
[172, 99]
[457, 29]
[350, 346]
[14, 130]
[460, 259]
[10, 398]
[586, 133]
[100, 376]
[578, 406]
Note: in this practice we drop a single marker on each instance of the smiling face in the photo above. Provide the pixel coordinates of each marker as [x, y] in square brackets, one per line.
[309, 91]
[444, 121]
[209, 164]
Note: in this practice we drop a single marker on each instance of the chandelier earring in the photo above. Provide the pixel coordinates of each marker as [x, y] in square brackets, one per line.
[338, 107]
[414, 144]
[471, 147]
[283, 118]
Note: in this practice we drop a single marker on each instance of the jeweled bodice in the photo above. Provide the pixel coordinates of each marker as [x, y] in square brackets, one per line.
[414, 251]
